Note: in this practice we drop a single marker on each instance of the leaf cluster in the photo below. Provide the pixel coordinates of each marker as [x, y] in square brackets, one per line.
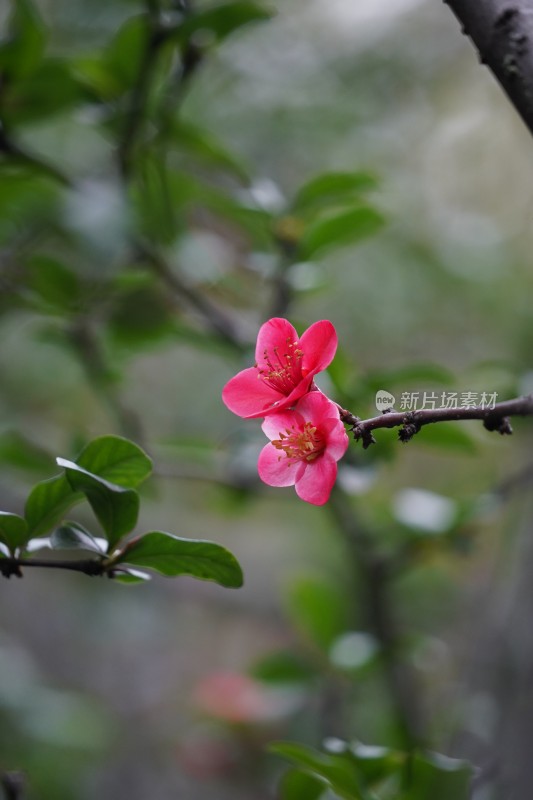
[355, 771]
[106, 474]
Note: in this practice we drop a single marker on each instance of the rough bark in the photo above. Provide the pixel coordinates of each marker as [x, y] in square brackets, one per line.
[502, 32]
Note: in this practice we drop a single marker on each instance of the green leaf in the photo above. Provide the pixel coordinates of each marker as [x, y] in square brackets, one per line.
[158, 214]
[318, 610]
[117, 460]
[191, 193]
[141, 318]
[423, 374]
[98, 80]
[347, 227]
[207, 148]
[47, 502]
[73, 536]
[282, 667]
[130, 576]
[374, 762]
[13, 530]
[55, 286]
[27, 197]
[222, 20]
[114, 72]
[254, 222]
[438, 777]
[332, 187]
[297, 785]
[116, 508]
[31, 99]
[22, 48]
[172, 556]
[343, 373]
[337, 771]
[125, 51]
[447, 436]
[19, 452]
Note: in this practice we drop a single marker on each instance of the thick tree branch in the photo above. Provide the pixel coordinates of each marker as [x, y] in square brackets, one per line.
[502, 32]
[495, 418]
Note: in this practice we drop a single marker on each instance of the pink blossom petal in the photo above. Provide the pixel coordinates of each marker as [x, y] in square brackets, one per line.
[273, 333]
[278, 423]
[248, 396]
[336, 436]
[319, 344]
[299, 391]
[276, 469]
[316, 483]
[315, 407]
[284, 370]
[330, 426]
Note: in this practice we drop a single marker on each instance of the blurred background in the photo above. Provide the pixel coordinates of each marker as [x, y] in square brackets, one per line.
[151, 219]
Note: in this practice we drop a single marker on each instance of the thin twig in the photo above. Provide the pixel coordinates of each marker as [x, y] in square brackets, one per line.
[514, 482]
[180, 80]
[495, 418]
[20, 155]
[135, 114]
[93, 360]
[216, 319]
[13, 784]
[281, 287]
[219, 322]
[191, 57]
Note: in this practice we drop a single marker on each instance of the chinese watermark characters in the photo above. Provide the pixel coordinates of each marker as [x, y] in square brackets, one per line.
[417, 401]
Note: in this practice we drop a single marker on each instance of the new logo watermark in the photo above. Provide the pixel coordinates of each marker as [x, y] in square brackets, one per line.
[384, 401]
[418, 401]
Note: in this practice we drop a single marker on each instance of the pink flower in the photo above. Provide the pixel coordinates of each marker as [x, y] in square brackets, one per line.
[284, 369]
[305, 445]
[234, 697]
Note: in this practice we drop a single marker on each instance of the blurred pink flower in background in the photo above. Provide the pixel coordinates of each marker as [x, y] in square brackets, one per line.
[237, 698]
[305, 445]
[284, 369]
[240, 715]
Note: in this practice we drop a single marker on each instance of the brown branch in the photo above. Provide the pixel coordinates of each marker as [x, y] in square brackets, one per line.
[495, 418]
[502, 32]
[13, 784]
[88, 566]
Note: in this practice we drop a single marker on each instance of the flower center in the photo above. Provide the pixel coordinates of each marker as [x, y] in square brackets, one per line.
[282, 371]
[304, 445]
